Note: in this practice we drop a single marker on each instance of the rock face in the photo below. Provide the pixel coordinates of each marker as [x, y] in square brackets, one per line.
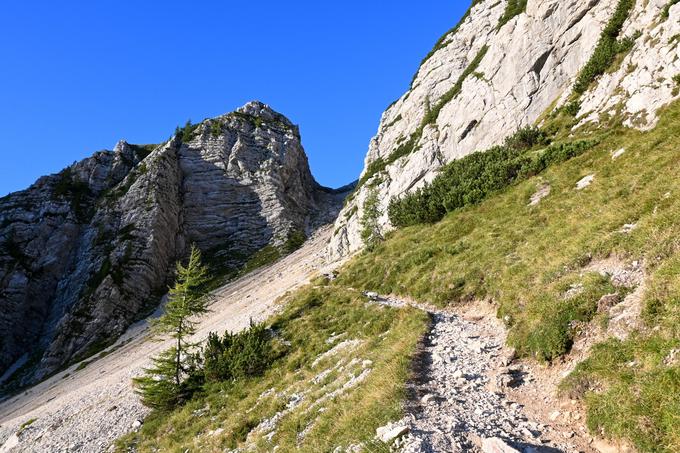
[86, 252]
[528, 66]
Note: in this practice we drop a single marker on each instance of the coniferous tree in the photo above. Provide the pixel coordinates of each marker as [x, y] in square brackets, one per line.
[164, 385]
[370, 229]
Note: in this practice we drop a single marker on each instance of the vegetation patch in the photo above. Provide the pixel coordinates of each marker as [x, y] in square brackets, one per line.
[471, 179]
[665, 12]
[513, 8]
[302, 378]
[527, 258]
[143, 151]
[608, 47]
[188, 132]
[370, 228]
[77, 192]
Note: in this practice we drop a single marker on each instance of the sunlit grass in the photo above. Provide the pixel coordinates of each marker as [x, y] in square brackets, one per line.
[313, 315]
[525, 258]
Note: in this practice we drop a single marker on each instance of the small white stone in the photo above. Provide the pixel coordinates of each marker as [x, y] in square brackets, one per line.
[618, 153]
[388, 434]
[585, 182]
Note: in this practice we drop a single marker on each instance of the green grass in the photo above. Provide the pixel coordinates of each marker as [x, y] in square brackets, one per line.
[608, 47]
[525, 259]
[27, 423]
[665, 12]
[311, 316]
[514, 8]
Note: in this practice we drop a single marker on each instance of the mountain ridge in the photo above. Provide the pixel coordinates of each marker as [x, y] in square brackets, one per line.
[488, 77]
[89, 250]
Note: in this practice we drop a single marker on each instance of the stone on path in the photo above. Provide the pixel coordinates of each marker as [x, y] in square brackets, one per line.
[389, 433]
[496, 445]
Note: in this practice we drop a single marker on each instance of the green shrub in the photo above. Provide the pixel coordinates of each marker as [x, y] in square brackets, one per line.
[370, 229]
[666, 10]
[294, 241]
[216, 128]
[471, 179]
[188, 132]
[237, 355]
[572, 108]
[76, 191]
[513, 8]
[607, 47]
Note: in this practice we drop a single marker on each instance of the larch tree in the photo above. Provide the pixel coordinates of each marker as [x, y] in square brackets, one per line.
[165, 384]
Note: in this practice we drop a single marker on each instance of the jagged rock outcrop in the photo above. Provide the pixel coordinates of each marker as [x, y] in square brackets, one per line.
[86, 252]
[500, 76]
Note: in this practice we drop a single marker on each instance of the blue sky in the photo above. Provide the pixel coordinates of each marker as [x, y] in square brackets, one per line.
[77, 76]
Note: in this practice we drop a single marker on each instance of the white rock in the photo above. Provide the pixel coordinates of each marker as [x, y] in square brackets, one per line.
[496, 445]
[10, 443]
[585, 182]
[428, 398]
[531, 62]
[388, 434]
[618, 153]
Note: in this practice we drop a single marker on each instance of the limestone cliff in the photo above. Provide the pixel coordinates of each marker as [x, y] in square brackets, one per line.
[502, 68]
[86, 252]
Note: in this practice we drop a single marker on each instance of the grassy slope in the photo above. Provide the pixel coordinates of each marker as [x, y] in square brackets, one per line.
[311, 316]
[525, 258]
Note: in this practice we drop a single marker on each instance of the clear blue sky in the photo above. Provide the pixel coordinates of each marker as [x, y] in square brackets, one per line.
[77, 76]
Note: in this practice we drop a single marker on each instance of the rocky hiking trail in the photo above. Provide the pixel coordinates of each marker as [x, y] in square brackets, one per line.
[468, 394]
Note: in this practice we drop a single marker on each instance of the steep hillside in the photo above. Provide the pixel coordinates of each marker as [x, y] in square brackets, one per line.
[579, 262]
[505, 66]
[86, 252]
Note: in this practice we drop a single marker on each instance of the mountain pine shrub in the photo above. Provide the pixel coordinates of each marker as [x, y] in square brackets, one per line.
[607, 47]
[471, 179]
[237, 355]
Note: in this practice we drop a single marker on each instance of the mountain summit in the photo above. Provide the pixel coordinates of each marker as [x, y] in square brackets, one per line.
[87, 251]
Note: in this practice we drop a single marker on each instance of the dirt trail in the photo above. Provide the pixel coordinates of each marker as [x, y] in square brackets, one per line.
[469, 392]
[86, 410]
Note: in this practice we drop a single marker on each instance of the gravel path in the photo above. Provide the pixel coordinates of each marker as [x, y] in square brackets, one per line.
[86, 410]
[458, 396]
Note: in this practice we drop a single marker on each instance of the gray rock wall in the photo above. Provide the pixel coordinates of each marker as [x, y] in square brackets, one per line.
[530, 66]
[86, 252]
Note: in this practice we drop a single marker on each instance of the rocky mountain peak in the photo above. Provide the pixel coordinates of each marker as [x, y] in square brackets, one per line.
[87, 251]
[261, 110]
